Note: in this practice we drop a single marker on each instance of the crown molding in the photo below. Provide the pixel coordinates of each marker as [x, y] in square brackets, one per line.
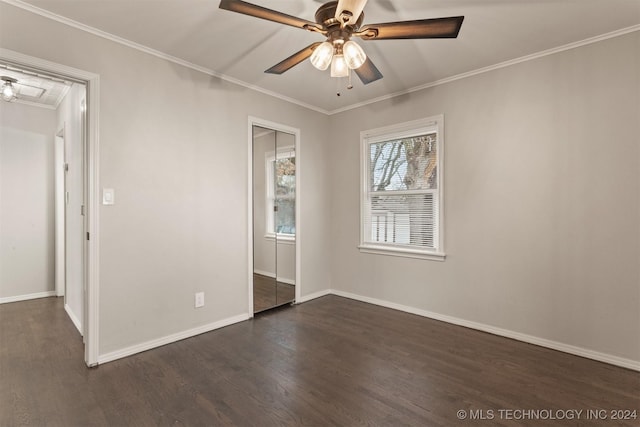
[112, 37]
[70, 22]
[498, 66]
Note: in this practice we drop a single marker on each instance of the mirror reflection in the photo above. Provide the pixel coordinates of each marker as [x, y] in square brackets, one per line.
[274, 220]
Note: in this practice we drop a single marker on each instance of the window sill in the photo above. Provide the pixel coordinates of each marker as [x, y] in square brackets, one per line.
[286, 239]
[401, 252]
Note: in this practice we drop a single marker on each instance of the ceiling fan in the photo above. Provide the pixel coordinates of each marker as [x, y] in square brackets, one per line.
[339, 21]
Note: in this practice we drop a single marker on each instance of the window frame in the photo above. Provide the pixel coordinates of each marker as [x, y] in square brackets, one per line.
[287, 152]
[390, 133]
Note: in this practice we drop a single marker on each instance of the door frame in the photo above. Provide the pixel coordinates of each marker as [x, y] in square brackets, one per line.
[91, 184]
[60, 214]
[256, 121]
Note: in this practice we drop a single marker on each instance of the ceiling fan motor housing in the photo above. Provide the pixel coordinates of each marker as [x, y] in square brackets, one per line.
[326, 16]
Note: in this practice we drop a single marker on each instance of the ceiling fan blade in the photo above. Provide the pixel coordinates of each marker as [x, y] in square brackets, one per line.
[438, 28]
[293, 60]
[355, 7]
[368, 72]
[264, 13]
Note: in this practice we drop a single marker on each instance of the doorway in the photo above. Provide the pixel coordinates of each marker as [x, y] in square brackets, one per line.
[274, 213]
[75, 138]
[44, 135]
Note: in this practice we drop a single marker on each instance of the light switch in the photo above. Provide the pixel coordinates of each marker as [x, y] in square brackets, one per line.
[108, 196]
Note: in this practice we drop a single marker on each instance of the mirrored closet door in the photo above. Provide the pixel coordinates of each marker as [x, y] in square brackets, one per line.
[274, 219]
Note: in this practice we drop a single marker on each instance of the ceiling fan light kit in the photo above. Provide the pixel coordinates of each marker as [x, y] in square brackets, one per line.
[353, 54]
[339, 66]
[322, 55]
[338, 21]
[341, 58]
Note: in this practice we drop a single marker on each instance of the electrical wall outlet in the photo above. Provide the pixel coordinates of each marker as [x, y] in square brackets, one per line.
[199, 299]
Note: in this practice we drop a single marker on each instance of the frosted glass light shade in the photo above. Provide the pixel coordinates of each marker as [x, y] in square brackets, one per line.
[339, 67]
[353, 54]
[8, 92]
[321, 56]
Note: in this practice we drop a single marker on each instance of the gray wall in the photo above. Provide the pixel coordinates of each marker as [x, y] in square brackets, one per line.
[26, 200]
[542, 192]
[173, 145]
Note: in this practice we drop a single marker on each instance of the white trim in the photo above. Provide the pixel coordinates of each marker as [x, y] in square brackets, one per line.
[62, 95]
[250, 216]
[554, 345]
[273, 276]
[47, 67]
[26, 297]
[158, 342]
[313, 296]
[73, 318]
[285, 239]
[92, 295]
[401, 252]
[83, 27]
[296, 132]
[92, 81]
[541, 54]
[433, 124]
[299, 196]
[112, 37]
[402, 130]
[59, 217]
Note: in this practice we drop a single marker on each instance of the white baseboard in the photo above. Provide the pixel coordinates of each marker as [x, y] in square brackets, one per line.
[26, 297]
[148, 345]
[554, 345]
[273, 276]
[139, 348]
[566, 348]
[314, 296]
[77, 323]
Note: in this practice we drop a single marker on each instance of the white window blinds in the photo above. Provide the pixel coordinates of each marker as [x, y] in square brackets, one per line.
[401, 189]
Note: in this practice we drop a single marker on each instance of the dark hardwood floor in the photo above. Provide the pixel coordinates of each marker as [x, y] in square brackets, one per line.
[268, 293]
[328, 362]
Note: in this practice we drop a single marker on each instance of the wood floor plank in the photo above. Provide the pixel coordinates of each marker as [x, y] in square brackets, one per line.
[328, 362]
[268, 293]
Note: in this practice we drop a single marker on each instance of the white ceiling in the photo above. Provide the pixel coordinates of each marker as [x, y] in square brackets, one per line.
[242, 47]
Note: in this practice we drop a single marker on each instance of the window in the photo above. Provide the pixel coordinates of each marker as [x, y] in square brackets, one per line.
[281, 194]
[401, 206]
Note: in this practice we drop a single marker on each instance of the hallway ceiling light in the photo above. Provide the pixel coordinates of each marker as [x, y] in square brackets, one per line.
[8, 91]
[12, 87]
